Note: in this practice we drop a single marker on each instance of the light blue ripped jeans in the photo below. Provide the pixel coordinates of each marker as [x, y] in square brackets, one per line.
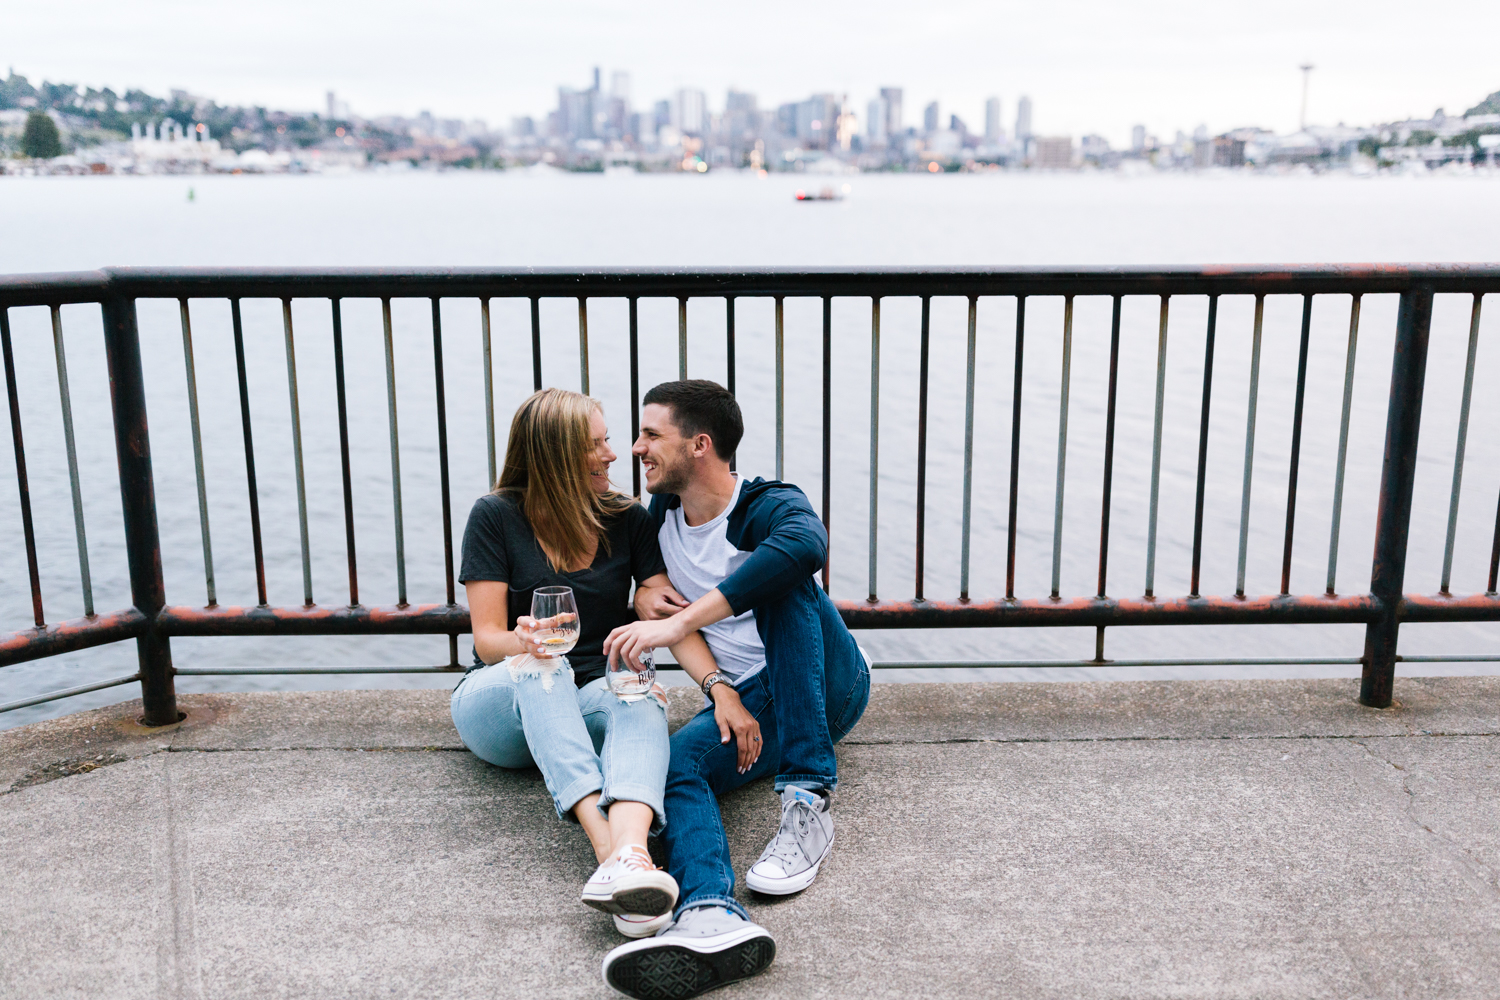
[584, 740]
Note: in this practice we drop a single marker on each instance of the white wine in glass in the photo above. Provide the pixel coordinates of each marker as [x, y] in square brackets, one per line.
[557, 614]
[629, 684]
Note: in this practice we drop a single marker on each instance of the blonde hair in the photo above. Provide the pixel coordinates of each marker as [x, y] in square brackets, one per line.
[547, 471]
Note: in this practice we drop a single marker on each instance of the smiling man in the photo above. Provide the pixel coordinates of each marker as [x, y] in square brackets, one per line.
[741, 556]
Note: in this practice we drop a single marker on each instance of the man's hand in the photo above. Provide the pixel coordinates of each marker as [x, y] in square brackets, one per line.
[628, 642]
[735, 719]
[656, 603]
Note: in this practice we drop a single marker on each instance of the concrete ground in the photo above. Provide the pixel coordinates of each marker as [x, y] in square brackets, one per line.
[1195, 839]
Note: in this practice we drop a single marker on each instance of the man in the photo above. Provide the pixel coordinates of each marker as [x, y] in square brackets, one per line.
[741, 556]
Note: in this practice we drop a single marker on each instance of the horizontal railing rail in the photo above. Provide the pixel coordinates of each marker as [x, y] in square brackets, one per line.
[152, 622]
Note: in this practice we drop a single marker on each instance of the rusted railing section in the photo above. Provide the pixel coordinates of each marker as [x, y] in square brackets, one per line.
[152, 623]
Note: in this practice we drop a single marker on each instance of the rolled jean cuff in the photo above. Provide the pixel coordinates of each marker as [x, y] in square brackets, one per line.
[811, 782]
[643, 794]
[728, 902]
[569, 797]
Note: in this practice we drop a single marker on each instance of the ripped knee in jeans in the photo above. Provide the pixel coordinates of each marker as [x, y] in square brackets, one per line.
[525, 665]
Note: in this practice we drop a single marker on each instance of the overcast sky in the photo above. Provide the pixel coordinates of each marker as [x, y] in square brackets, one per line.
[1089, 66]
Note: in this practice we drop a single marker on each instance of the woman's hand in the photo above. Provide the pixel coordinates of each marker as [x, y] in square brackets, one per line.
[734, 718]
[526, 630]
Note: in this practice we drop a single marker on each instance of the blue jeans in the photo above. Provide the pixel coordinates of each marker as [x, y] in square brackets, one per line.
[584, 740]
[814, 688]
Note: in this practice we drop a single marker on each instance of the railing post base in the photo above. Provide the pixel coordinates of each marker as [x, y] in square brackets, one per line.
[1379, 672]
[158, 686]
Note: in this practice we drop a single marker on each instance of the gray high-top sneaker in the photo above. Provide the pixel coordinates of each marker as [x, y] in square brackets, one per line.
[791, 860]
[706, 948]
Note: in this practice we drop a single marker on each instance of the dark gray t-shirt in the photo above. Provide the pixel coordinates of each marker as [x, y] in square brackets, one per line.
[500, 545]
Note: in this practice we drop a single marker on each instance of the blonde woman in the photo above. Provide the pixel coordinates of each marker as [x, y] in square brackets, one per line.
[554, 520]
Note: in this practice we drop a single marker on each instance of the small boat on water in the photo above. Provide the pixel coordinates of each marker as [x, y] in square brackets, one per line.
[826, 194]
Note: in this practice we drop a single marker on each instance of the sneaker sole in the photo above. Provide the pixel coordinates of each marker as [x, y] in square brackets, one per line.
[648, 900]
[787, 886]
[675, 972]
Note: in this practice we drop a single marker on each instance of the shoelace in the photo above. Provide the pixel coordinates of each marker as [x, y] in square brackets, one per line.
[636, 858]
[785, 846]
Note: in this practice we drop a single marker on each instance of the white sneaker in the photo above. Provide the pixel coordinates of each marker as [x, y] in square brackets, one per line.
[638, 925]
[630, 883]
[791, 860]
[706, 948]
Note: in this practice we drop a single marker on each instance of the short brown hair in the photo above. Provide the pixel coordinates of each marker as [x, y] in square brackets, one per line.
[700, 406]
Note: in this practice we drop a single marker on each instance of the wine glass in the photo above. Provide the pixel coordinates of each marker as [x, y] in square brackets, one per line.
[629, 684]
[556, 615]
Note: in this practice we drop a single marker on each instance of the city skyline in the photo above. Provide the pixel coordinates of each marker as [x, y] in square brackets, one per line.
[1092, 68]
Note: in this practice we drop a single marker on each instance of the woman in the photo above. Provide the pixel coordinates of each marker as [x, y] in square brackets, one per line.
[554, 520]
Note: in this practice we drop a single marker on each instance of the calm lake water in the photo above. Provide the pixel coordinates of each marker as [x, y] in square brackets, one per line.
[54, 224]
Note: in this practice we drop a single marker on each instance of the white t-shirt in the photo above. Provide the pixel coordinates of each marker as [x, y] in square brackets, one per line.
[698, 560]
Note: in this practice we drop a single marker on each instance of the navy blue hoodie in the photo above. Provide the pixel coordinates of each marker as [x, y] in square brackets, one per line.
[775, 522]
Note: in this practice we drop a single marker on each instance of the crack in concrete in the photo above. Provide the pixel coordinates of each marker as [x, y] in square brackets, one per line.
[1477, 873]
[1249, 738]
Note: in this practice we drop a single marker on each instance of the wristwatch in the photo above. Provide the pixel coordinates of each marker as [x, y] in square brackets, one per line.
[711, 680]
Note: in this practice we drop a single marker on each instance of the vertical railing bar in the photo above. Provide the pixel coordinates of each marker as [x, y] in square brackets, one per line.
[1338, 470]
[1494, 553]
[148, 592]
[1260, 311]
[1062, 446]
[1291, 484]
[966, 524]
[1458, 451]
[390, 394]
[65, 397]
[291, 381]
[1106, 493]
[193, 422]
[729, 355]
[1015, 451]
[23, 486]
[635, 395]
[827, 422]
[536, 344]
[922, 446]
[1161, 395]
[1397, 476]
[252, 489]
[343, 413]
[780, 393]
[1208, 384]
[583, 344]
[874, 439]
[489, 387]
[442, 433]
[682, 338]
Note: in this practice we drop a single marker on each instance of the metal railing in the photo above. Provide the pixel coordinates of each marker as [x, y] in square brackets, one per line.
[152, 623]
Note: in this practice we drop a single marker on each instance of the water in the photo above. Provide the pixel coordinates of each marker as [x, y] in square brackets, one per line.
[550, 219]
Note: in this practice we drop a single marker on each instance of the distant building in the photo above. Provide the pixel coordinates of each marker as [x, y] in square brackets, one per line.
[893, 121]
[1229, 152]
[1094, 148]
[992, 130]
[1138, 138]
[619, 86]
[930, 118]
[1023, 118]
[1053, 152]
[690, 111]
[876, 117]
